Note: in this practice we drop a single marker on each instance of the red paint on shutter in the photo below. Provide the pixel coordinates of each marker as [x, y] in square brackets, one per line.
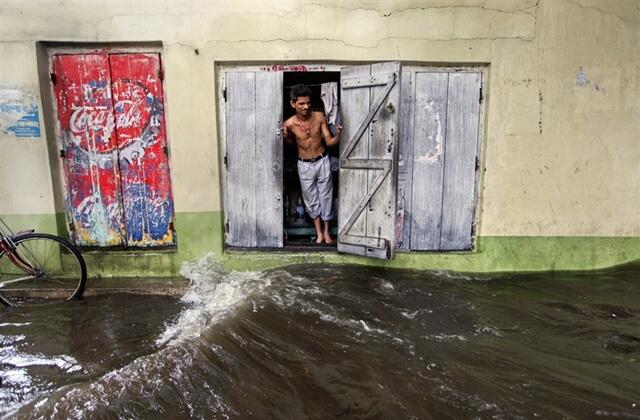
[82, 92]
[142, 148]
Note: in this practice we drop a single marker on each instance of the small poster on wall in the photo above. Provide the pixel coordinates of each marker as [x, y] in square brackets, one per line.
[19, 115]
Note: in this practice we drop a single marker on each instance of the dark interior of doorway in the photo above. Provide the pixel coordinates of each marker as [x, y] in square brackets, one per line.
[299, 233]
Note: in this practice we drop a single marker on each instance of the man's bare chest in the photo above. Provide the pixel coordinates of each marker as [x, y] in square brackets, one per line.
[304, 132]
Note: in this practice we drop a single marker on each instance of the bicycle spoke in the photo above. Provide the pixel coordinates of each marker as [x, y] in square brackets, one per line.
[5, 282]
[57, 271]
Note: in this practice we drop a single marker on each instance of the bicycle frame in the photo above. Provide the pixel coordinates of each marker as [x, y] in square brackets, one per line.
[8, 249]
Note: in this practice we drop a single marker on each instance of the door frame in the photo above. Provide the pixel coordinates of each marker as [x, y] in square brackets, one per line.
[45, 50]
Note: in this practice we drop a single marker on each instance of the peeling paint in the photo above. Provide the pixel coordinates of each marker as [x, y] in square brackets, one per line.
[111, 123]
[434, 155]
[19, 116]
[581, 78]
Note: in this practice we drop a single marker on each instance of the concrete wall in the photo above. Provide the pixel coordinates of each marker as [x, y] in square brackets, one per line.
[561, 154]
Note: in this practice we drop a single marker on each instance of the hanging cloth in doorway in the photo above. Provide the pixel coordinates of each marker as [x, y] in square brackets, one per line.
[329, 96]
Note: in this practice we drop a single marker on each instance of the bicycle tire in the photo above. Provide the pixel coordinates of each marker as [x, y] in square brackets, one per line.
[59, 274]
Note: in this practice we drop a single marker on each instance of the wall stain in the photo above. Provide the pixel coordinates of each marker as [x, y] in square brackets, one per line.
[540, 101]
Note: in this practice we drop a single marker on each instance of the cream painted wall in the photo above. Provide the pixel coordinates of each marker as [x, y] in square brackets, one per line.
[25, 177]
[561, 149]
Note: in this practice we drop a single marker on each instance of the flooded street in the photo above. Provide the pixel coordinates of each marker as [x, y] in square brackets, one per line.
[334, 342]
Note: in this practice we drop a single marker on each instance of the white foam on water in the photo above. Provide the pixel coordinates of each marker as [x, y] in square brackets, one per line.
[212, 295]
[11, 356]
[445, 337]
[412, 315]
[14, 381]
[66, 363]
[487, 330]
[383, 286]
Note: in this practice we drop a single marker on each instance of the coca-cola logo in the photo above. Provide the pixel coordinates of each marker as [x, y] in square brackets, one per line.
[133, 112]
[129, 114]
[91, 118]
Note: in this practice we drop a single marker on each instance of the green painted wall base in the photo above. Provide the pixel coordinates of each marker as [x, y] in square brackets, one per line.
[493, 254]
[201, 233]
[197, 235]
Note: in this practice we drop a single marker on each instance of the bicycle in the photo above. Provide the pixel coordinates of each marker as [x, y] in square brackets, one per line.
[38, 268]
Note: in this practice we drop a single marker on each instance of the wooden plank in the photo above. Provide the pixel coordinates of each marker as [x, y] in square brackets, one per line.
[405, 161]
[142, 149]
[354, 107]
[241, 158]
[429, 139]
[374, 109]
[366, 81]
[379, 171]
[371, 211]
[82, 90]
[383, 145]
[460, 161]
[269, 205]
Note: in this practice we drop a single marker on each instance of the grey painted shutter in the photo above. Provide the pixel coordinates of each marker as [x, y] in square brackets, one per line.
[405, 160]
[458, 195]
[441, 156]
[254, 159]
[370, 101]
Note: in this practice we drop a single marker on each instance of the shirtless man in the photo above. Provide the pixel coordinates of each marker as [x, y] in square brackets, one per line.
[308, 129]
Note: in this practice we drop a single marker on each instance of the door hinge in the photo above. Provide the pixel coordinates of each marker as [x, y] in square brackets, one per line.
[172, 227]
[160, 74]
[226, 161]
[166, 150]
[54, 78]
[63, 154]
[477, 163]
[480, 100]
[224, 94]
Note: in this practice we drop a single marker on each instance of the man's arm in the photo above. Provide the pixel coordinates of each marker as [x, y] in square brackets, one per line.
[326, 133]
[286, 134]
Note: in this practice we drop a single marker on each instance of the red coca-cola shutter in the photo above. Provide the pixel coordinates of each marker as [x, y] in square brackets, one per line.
[82, 89]
[114, 149]
[142, 148]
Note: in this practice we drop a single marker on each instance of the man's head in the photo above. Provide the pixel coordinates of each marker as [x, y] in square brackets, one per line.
[300, 96]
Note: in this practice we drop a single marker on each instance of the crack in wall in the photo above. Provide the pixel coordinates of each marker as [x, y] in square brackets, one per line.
[348, 44]
[102, 23]
[602, 12]
[523, 11]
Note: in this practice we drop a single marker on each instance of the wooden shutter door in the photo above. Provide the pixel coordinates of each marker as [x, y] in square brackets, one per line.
[430, 130]
[441, 154]
[370, 97]
[142, 149]
[254, 208]
[85, 123]
[458, 195]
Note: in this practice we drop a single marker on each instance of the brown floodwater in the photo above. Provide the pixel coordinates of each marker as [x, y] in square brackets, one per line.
[324, 341]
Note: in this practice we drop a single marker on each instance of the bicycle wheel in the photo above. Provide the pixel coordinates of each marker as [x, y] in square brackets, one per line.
[42, 269]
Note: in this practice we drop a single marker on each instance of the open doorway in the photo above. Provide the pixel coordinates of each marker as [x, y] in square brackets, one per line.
[298, 228]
